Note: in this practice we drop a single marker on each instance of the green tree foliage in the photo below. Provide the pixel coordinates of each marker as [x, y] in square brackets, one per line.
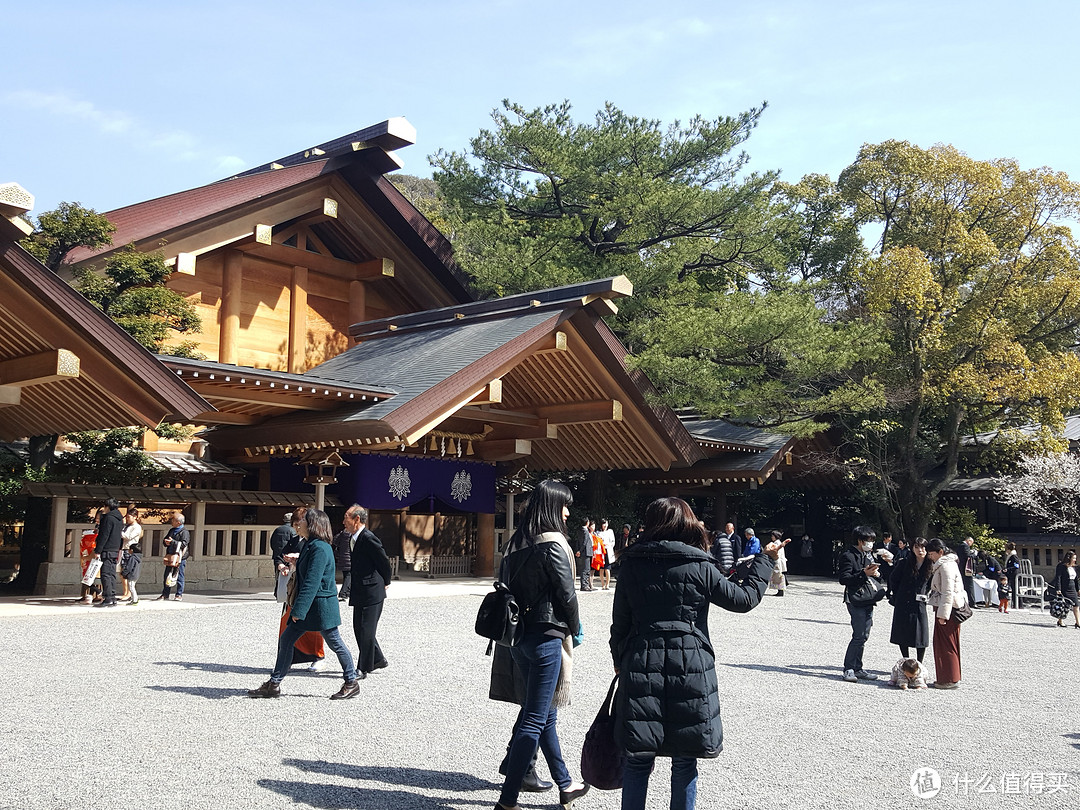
[132, 292]
[106, 457]
[974, 284]
[66, 227]
[543, 200]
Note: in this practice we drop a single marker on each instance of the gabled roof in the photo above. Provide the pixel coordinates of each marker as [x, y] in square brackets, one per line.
[554, 363]
[65, 365]
[226, 211]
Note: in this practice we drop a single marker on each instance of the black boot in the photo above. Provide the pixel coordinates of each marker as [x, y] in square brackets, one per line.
[532, 783]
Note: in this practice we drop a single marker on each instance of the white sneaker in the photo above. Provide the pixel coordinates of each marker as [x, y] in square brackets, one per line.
[849, 676]
[863, 675]
[315, 666]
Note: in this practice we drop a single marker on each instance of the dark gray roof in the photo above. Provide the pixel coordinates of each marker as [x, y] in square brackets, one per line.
[413, 363]
[720, 430]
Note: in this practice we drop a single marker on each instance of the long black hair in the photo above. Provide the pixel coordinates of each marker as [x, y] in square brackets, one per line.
[543, 512]
[673, 519]
[920, 570]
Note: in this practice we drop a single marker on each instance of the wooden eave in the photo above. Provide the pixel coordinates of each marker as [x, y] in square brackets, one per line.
[242, 395]
[118, 382]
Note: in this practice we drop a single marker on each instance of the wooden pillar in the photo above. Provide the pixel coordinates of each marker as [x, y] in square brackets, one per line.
[357, 302]
[298, 321]
[484, 565]
[198, 530]
[231, 295]
[58, 530]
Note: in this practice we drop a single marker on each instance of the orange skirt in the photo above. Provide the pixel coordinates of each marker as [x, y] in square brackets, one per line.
[309, 647]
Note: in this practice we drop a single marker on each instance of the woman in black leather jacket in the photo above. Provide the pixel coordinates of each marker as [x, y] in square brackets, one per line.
[539, 571]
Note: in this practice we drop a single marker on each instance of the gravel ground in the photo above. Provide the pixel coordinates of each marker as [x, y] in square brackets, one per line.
[145, 708]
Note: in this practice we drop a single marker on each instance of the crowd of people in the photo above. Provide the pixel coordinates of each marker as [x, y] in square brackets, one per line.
[667, 575]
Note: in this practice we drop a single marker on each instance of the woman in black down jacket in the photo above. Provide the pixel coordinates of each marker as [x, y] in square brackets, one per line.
[539, 570]
[667, 703]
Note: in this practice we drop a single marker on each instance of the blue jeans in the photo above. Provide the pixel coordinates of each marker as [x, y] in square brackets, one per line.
[862, 619]
[289, 638]
[539, 658]
[165, 589]
[636, 782]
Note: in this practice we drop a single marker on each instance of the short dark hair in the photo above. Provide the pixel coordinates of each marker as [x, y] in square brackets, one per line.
[935, 545]
[543, 512]
[863, 533]
[673, 519]
[112, 503]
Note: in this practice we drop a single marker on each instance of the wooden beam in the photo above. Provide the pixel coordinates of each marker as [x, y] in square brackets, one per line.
[224, 418]
[544, 430]
[376, 268]
[491, 395]
[503, 449]
[10, 395]
[294, 257]
[43, 367]
[581, 413]
[497, 417]
[266, 396]
[557, 343]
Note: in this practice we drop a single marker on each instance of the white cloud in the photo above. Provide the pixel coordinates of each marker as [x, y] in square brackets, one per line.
[181, 145]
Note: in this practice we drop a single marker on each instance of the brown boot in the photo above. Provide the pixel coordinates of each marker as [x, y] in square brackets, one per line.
[267, 690]
[349, 689]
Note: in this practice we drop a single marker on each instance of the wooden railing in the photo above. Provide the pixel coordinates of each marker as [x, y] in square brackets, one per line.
[442, 566]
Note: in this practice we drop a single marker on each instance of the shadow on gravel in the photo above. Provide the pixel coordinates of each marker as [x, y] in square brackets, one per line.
[828, 673]
[1072, 737]
[406, 777]
[336, 797]
[208, 692]
[811, 621]
[203, 666]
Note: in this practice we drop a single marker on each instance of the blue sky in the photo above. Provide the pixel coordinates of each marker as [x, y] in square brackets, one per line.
[111, 103]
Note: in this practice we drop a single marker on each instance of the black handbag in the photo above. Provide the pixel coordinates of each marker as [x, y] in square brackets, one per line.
[962, 614]
[869, 593]
[602, 760]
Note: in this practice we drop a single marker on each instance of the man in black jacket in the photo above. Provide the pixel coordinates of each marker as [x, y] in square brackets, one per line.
[858, 573]
[370, 578]
[966, 557]
[343, 545]
[107, 549]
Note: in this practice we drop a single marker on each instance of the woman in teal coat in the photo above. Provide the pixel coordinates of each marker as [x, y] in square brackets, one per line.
[314, 608]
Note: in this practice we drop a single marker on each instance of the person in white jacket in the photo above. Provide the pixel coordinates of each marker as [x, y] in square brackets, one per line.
[946, 594]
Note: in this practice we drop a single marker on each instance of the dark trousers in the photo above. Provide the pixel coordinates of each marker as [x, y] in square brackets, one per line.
[969, 588]
[346, 584]
[1011, 576]
[862, 619]
[365, 621]
[108, 576]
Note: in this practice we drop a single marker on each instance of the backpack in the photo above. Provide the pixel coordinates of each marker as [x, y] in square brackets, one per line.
[499, 618]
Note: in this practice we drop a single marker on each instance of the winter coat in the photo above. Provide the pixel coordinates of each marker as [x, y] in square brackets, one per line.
[910, 624]
[946, 587]
[131, 566]
[316, 606]
[850, 570]
[343, 550]
[110, 533]
[281, 540]
[724, 552]
[667, 702]
[541, 577]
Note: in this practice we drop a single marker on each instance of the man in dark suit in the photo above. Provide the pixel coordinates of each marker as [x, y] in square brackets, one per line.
[370, 578]
[107, 549]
